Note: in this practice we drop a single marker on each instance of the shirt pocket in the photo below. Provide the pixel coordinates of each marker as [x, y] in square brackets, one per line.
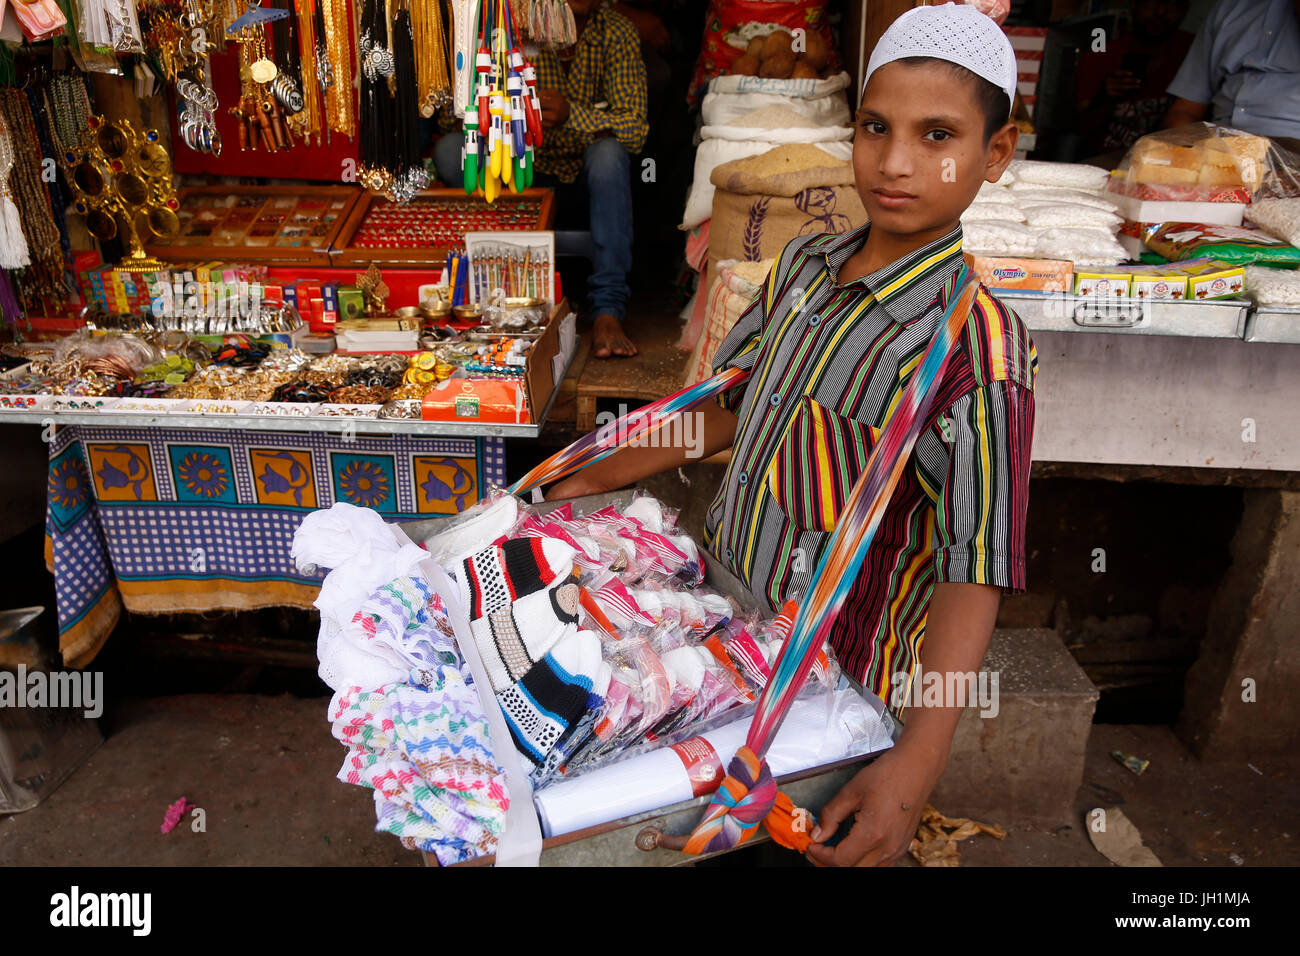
[819, 459]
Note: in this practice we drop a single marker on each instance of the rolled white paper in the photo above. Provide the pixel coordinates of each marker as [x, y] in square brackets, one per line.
[818, 730]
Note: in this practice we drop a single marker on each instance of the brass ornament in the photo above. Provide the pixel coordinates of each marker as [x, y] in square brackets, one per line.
[122, 182]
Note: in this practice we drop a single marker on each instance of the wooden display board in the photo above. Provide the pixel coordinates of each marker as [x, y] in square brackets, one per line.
[421, 232]
[271, 224]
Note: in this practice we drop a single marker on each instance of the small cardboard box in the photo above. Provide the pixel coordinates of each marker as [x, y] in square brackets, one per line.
[1022, 275]
[1156, 282]
[476, 400]
[510, 402]
[1102, 285]
[1159, 287]
[1212, 279]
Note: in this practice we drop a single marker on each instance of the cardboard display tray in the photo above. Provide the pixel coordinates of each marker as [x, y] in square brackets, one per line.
[264, 224]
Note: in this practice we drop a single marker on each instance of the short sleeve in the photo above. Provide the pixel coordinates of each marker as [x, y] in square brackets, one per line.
[974, 465]
[740, 348]
[1197, 78]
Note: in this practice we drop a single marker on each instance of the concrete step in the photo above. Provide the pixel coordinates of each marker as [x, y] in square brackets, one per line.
[1021, 762]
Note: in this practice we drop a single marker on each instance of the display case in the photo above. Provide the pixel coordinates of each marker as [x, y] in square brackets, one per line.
[421, 232]
[280, 224]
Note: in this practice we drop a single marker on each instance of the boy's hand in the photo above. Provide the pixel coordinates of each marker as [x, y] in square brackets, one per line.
[885, 801]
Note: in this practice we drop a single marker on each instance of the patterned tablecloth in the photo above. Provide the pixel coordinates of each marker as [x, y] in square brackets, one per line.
[167, 520]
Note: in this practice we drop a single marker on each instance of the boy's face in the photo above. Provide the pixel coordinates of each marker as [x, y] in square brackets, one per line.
[919, 154]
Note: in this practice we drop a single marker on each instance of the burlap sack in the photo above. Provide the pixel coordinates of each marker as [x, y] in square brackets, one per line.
[736, 285]
[763, 202]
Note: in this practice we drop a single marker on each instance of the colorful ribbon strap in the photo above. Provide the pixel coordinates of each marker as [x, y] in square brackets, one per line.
[604, 441]
[746, 793]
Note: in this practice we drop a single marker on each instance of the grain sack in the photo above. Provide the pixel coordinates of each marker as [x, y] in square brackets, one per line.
[735, 288]
[769, 200]
[784, 171]
[823, 102]
[725, 144]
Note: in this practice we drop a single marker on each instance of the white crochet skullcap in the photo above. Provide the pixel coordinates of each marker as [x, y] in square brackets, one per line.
[954, 32]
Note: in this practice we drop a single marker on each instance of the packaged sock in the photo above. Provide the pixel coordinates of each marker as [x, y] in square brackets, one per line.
[553, 696]
[502, 574]
[512, 639]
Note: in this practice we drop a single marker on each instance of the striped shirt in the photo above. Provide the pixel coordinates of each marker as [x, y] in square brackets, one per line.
[607, 68]
[830, 360]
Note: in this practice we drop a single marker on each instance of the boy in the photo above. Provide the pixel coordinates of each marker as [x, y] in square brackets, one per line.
[832, 341]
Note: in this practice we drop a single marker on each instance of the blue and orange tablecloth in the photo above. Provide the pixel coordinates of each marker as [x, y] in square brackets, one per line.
[161, 520]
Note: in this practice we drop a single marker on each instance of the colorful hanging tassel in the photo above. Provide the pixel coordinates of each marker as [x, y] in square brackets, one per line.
[14, 253]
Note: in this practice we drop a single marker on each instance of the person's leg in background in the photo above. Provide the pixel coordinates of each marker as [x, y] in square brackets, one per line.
[606, 172]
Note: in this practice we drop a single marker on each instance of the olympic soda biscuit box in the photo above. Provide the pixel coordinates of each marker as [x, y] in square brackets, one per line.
[1022, 275]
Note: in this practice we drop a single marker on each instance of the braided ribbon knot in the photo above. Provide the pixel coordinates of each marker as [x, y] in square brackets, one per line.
[739, 805]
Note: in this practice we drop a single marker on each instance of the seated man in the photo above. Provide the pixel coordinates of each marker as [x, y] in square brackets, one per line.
[593, 98]
[1243, 70]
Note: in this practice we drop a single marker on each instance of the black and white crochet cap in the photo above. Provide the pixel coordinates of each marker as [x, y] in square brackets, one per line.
[954, 32]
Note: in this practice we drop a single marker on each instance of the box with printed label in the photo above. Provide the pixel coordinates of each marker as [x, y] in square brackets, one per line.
[1101, 285]
[1022, 275]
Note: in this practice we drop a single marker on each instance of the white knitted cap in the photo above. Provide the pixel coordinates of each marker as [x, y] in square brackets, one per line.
[954, 32]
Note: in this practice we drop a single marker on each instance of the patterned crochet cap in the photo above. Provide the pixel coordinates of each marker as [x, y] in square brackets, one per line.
[954, 32]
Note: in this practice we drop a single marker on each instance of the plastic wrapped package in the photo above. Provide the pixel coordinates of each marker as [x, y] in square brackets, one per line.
[998, 239]
[1237, 245]
[992, 212]
[473, 529]
[1085, 246]
[1202, 162]
[1033, 193]
[991, 192]
[120, 355]
[1280, 218]
[1048, 215]
[1270, 286]
[1069, 175]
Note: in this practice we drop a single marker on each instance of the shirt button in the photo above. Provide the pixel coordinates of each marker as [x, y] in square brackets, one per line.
[743, 478]
[730, 555]
[775, 400]
[815, 320]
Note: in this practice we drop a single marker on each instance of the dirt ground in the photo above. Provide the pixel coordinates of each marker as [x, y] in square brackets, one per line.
[262, 769]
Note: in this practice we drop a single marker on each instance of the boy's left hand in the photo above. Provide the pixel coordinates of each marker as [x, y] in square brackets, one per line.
[885, 800]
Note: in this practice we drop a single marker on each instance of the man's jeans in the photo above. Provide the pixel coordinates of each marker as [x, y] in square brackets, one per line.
[605, 185]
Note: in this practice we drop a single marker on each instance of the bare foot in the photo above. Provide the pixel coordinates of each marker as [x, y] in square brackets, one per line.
[609, 339]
